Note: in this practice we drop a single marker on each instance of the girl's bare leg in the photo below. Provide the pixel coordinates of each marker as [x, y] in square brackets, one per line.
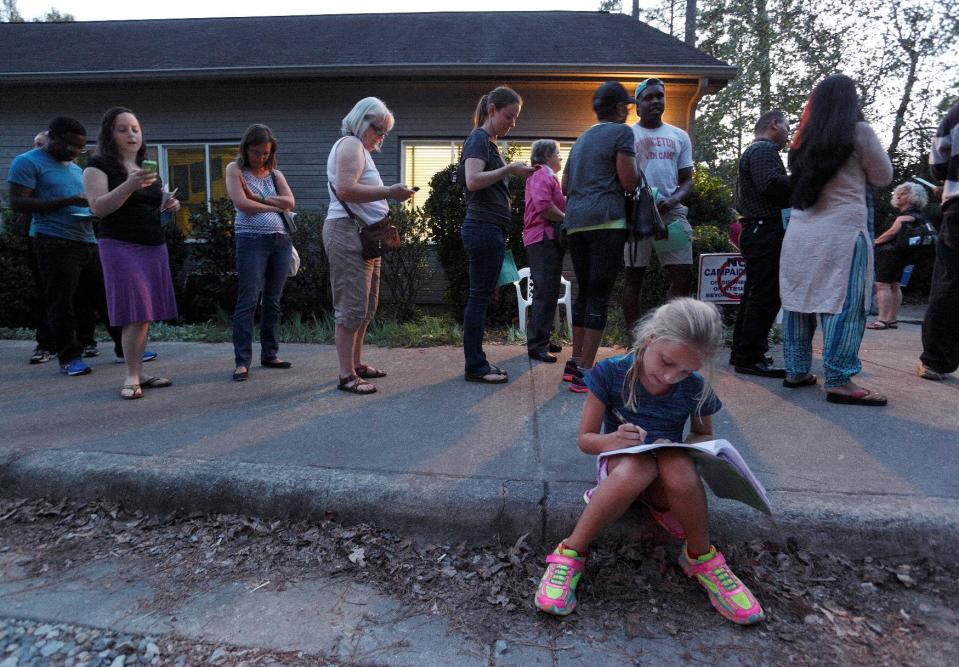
[684, 491]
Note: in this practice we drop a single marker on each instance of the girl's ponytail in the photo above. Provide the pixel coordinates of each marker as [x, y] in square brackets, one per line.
[500, 97]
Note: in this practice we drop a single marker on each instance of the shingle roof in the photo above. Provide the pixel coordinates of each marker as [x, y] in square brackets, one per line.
[443, 43]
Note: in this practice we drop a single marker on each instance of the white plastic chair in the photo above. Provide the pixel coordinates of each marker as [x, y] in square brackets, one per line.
[525, 300]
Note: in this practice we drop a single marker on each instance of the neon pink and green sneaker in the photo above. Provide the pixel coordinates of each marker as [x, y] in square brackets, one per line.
[726, 592]
[557, 589]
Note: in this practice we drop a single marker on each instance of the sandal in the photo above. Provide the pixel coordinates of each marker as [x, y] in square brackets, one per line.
[155, 382]
[356, 385]
[881, 325]
[858, 397]
[130, 392]
[490, 377]
[241, 376]
[801, 381]
[274, 363]
[368, 372]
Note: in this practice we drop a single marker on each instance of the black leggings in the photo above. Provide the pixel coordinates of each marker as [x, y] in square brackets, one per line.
[597, 256]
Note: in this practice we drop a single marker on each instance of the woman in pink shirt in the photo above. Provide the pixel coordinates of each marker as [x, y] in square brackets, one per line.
[545, 211]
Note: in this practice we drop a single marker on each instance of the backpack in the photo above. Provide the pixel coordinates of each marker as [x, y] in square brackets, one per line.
[916, 234]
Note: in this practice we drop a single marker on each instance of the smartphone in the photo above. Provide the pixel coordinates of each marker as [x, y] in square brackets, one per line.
[149, 165]
[415, 188]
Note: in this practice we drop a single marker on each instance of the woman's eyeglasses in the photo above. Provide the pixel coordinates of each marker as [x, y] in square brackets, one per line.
[379, 130]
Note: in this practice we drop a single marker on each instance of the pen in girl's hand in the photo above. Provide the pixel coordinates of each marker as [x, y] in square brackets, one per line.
[618, 415]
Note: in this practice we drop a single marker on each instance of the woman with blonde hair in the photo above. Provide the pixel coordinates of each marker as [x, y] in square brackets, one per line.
[357, 197]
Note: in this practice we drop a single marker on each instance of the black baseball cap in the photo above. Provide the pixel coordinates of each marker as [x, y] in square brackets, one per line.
[611, 92]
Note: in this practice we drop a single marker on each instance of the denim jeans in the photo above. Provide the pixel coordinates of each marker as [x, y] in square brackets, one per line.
[486, 245]
[940, 327]
[262, 265]
[546, 270]
[75, 299]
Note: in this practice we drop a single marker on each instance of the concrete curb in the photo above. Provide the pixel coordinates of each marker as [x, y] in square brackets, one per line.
[447, 508]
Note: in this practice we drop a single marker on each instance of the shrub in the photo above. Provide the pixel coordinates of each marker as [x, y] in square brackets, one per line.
[308, 294]
[208, 276]
[711, 201]
[407, 270]
[17, 291]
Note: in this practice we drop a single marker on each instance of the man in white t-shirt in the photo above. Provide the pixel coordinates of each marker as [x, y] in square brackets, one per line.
[665, 154]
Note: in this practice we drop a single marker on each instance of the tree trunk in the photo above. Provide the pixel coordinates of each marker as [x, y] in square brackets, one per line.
[763, 56]
[690, 22]
[900, 119]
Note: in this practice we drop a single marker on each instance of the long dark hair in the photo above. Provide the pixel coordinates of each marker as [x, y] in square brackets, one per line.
[499, 97]
[824, 139]
[107, 147]
[255, 135]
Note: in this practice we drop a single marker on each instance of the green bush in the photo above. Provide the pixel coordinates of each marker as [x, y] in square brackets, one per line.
[711, 201]
[208, 275]
[17, 292]
[308, 294]
[407, 270]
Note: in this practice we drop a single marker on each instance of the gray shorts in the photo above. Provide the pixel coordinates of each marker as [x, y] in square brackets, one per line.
[644, 248]
[355, 281]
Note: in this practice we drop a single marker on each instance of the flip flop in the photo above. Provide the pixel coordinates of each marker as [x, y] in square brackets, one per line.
[490, 377]
[155, 383]
[130, 392]
[351, 384]
[804, 381]
[369, 372]
[881, 325]
[858, 397]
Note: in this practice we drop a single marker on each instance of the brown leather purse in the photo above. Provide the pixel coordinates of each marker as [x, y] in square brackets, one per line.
[378, 238]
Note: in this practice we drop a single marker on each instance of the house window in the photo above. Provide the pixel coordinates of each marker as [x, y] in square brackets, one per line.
[422, 159]
[198, 173]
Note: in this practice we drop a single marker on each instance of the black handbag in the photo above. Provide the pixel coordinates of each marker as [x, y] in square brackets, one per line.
[643, 220]
[916, 234]
[378, 238]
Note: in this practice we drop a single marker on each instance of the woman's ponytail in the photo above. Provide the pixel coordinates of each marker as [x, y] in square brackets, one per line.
[500, 97]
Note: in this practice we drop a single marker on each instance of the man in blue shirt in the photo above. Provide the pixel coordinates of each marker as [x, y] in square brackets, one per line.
[47, 184]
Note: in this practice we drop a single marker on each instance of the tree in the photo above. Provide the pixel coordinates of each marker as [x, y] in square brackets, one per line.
[9, 13]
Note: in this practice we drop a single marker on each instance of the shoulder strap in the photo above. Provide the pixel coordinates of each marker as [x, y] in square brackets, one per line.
[342, 203]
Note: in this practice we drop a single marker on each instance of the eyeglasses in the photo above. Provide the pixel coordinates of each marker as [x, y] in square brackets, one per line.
[379, 130]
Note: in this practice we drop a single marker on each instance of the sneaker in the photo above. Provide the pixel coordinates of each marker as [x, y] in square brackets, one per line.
[147, 356]
[577, 386]
[40, 356]
[727, 593]
[922, 371]
[557, 589]
[91, 351]
[75, 367]
[570, 370]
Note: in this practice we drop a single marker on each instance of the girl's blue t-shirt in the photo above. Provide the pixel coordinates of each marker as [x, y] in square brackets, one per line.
[660, 416]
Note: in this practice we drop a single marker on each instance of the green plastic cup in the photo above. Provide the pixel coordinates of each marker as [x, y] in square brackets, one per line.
[150, 165]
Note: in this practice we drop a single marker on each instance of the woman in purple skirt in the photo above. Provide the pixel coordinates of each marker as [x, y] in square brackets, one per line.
[136, 268]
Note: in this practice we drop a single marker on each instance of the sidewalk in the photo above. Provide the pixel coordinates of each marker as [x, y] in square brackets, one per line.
[433, 455]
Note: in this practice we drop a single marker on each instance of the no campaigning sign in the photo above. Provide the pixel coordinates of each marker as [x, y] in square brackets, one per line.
[721, 277]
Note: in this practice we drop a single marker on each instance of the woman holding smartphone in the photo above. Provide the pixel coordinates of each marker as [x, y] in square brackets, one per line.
[488, 212]
[129, 199]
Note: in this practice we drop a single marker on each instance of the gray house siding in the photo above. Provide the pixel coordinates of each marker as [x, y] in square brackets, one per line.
[304, 114]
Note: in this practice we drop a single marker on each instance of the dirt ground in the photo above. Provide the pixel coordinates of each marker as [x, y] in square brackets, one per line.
[821, 608]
